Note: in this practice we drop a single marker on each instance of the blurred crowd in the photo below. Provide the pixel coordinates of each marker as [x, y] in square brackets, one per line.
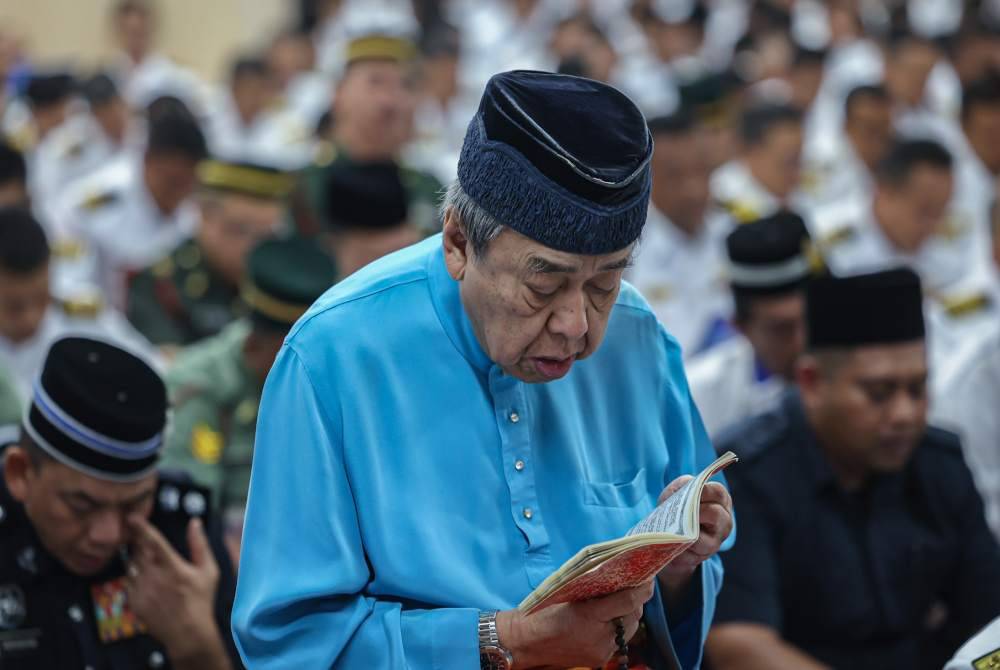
[192, 222]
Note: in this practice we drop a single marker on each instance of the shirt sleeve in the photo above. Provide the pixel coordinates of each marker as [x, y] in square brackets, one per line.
[300, 601]
[690, 452]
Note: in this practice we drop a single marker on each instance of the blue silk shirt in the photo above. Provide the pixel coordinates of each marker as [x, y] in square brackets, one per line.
[402, 482]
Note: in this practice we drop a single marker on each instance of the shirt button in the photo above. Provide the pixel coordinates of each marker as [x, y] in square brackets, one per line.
[528, 513]
[75, 613]
[514, 418]
[156, 660]
[519, 465]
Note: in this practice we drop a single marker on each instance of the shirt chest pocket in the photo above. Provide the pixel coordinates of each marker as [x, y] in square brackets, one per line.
[623, 494]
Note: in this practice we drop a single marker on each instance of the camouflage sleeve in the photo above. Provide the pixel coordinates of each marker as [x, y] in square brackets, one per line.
[195, 440]
[147, 313]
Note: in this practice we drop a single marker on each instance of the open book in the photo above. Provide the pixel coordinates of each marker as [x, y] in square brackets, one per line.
[616, 565]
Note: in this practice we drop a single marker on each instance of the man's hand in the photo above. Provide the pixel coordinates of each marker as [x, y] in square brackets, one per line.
[175, 598]
[572, 634]
[716, 517]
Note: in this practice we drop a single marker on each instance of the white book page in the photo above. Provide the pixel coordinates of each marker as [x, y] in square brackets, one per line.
[668, 517]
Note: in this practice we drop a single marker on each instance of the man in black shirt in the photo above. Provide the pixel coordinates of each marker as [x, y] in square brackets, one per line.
[105, 563]
[862, 540]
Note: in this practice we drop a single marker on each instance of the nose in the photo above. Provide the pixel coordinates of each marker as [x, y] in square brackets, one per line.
[569, 319]
[107, 529]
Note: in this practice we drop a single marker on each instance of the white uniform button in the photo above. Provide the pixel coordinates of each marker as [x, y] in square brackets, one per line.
[519, 465]
[75, 613]
[156, 660]
[514, 418]
[528, 513]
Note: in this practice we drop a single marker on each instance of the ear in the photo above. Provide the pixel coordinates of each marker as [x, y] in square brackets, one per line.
[456, 245]
[17, 472]
[809, 378]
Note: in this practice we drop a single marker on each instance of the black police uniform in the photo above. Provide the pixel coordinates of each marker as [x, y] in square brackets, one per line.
[49, 617]
[895, 575]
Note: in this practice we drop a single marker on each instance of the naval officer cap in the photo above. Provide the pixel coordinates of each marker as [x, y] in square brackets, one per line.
[770, 255]
[869, 309]
[98, 409]
[560, 159]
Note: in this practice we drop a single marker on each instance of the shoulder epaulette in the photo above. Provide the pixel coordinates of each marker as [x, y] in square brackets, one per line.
[82, 307]
[67, 249]
[73, 149]
[964, 305]
[742, 212]
[838, 236]
[99, 200]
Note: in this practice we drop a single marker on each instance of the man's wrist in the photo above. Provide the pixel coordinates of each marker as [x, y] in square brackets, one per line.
[200, 646]
[510, 632]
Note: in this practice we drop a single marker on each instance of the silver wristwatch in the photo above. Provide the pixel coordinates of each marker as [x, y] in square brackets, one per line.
[491, 655]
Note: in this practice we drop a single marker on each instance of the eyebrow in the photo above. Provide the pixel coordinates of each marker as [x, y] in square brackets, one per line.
[539, 265]
[83, 497]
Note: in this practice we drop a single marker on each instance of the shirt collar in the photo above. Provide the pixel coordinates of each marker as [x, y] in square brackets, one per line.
[451, 312]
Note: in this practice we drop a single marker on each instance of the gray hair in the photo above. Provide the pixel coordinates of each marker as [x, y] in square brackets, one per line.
[479, 225]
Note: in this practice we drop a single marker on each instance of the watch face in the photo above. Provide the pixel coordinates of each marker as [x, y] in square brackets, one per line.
[494, 658]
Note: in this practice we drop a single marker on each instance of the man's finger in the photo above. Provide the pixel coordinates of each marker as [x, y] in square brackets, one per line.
[617, 604]
[673, 487]
[713, 518]
[201, 552]
[714, 492]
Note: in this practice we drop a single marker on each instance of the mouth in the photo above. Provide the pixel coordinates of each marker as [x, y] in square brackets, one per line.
[91, 563]
[553, 368]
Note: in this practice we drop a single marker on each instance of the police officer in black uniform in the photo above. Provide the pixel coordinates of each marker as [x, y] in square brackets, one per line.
[106, 563]
[862, 542]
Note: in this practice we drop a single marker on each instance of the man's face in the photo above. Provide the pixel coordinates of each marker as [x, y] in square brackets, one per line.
[907, 71]
[916, 208]
[868, 406]
[776, 161]
[982, 128]
[534, 310]
[14, 193]
[80, 520]
[231, 225]
[373, 107]
[253, 93]
[805, 80]
[23, 301]
[869, 129]
[135, 31]
[680, 179]
[170, 179]
[113, 118]
[776, 330]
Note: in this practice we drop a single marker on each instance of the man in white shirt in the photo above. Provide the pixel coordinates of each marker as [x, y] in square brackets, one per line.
[30, 319]
[769, 264]
[679, 267]
[129, 214]
[765, 177]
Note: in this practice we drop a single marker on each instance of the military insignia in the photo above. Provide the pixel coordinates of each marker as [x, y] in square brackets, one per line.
[194, 503]
[67, 249]
[964, 305]
[990, 661]
[206, 444]
[96, 201]
[86, 306]
[163, 269]
[188, 257]
[13, 607]
[27, 560]
[838, 236]
[246, 411]
[196, 285]
[170, 498]
[115, 619]
[742, 212]
[326, 153]
[814, 257]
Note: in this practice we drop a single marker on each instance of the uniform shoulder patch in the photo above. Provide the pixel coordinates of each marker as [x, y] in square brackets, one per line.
[838, 236]
[989, 661]
[964, 305]
[741, 211]
[99, 200]
[83, 307]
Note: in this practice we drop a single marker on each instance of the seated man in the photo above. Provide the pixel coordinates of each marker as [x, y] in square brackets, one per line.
[447, 426]
[105, 563]
[862, 540]
[194, 292]
[215, 384]
[747, 373]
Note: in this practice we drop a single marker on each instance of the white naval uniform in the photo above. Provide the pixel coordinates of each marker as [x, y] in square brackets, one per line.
[683, 278]
[277, 136]
[982, 651]
[155, 76]
[833, 172]
[112, 227]
[24, 359]
[728, 386]
[738, 192]
[966, 399]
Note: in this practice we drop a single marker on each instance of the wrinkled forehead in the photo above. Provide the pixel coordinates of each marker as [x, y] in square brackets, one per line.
[523, 255]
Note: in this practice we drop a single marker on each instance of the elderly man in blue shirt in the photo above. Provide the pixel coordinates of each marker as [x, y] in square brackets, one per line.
[444, 428]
